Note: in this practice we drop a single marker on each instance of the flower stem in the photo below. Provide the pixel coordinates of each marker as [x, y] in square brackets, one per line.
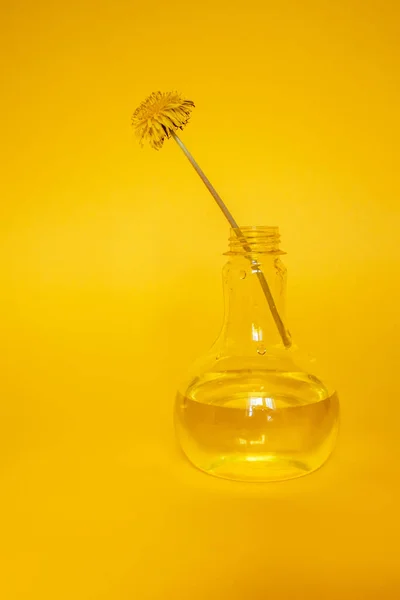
[283, 332]
[207, 183]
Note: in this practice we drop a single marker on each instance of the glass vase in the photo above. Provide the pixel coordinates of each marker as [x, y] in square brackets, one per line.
[253, 408]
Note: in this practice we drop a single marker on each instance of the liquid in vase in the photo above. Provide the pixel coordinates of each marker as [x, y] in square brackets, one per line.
[267, 426]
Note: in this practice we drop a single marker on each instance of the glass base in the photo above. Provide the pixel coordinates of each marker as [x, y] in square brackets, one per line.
[260, 469]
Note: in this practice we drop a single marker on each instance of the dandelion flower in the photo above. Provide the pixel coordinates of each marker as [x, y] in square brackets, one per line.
[161, 114]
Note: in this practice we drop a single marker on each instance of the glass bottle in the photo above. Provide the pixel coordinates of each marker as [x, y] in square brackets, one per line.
[252, 409]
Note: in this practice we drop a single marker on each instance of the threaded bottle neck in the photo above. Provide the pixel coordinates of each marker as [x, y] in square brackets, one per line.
[254, 240]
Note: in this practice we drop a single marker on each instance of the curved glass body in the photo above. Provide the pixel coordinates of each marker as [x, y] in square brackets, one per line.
[252, 408]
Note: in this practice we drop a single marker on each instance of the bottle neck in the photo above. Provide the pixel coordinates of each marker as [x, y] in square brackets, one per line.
[249, 326]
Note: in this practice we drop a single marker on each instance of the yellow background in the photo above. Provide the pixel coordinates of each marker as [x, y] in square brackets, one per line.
[110, 286]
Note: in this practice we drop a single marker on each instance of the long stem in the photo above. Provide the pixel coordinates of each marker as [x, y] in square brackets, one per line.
[285, 335]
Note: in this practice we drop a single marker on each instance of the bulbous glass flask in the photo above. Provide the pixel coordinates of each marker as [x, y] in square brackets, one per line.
[252, 408]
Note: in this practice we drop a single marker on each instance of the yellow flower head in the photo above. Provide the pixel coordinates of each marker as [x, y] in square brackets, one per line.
[159, 115]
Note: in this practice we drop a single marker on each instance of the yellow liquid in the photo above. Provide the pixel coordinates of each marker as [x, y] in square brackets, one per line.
[257, 426]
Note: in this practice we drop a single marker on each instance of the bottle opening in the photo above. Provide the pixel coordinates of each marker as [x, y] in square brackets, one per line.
[253, 239]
